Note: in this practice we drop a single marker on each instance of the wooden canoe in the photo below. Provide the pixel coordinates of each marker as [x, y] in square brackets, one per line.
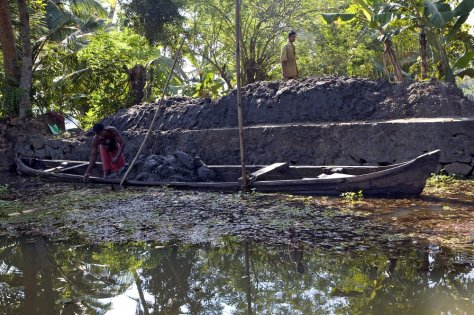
[397, 180]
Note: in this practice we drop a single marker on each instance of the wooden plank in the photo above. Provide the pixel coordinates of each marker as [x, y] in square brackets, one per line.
[51, 170]
[267, 170]
[61, 166]
[71, 167]
[60, 161]
[270, 168]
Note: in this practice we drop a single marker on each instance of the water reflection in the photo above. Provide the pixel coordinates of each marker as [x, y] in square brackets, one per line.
[229, 278]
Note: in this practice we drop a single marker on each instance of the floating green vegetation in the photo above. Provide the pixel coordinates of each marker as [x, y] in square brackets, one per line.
[352, 196]
[71, 200]
[4, 191]
[440, 180]
[6, 204]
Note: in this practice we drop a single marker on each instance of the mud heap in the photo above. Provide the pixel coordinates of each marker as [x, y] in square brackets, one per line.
[313, 121]
[311, 100]
[177, 167]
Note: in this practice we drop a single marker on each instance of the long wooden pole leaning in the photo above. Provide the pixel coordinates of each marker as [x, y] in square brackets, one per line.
[244, 185]
[155, 116]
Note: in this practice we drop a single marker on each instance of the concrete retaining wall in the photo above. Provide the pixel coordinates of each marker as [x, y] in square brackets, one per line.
[363, 143]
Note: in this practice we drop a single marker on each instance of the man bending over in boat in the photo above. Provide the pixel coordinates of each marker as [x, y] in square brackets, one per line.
[108, 141]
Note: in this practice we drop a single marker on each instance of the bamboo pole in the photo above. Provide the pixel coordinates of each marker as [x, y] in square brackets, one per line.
[156, 114]
[244, 186]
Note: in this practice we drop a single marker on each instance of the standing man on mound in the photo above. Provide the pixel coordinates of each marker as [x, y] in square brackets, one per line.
[288, 58]
[108, 141]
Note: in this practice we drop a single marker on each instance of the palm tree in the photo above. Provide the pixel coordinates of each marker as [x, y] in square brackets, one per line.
[65, 23]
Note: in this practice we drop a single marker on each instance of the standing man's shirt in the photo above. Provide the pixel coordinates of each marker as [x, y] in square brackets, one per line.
[288, 61]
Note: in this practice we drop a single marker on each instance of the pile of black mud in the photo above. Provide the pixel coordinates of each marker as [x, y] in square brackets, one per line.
[176, 167]
[310, 100]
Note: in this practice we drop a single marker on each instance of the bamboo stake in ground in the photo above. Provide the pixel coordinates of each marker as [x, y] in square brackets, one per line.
[155, 116]
[239, 94]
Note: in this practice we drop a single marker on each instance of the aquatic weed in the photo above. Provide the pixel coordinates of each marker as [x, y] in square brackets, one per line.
[4, 191]
[440, 180]
[352, 196]
[9, 206]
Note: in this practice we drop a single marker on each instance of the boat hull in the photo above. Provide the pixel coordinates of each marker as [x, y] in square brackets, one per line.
[399, 180]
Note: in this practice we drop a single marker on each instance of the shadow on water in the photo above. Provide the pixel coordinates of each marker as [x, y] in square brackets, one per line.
[37, 277]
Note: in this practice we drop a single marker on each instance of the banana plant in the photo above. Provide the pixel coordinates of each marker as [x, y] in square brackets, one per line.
[377, 16]
[439, 24]
[445, 20]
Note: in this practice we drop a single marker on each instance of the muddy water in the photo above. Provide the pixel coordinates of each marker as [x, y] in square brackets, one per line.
[227, 277]
[75, 249]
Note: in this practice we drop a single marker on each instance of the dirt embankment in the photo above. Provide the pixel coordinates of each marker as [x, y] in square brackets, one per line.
[184, 123]
[328, 99]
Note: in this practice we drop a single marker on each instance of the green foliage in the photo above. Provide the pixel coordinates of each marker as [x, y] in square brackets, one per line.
[80, 59]
[264, 26]
[440, 180]
[104, 77]
[448, 41]
[352, 196]
[342, 50]
[4, 191]
[438, 13]
[440, 22]
[205, 84]
[155, 19]
[6, 205]
[10, 97]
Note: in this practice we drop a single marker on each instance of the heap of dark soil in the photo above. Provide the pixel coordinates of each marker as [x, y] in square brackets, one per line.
[311, 100]
[306, 101]
[177, 167]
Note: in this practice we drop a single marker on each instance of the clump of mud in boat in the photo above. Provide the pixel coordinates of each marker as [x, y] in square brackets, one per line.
[177, 167]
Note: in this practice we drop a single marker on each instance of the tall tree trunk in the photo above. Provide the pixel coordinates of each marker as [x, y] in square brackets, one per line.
[224, 75]
[7, 40]
[424, 62]
[397, 71]
[445, 70]
[30, 281]
[27, 59]
[248, 283]
[138, 77]
[249, 66]
[138, 283]
[43, 258]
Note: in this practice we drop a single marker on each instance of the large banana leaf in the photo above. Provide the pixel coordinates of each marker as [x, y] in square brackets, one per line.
[439, 13]
[464, 61]
[383, 19]
[467, 72]
[464, 8]
[365, 9]
[457, 26]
